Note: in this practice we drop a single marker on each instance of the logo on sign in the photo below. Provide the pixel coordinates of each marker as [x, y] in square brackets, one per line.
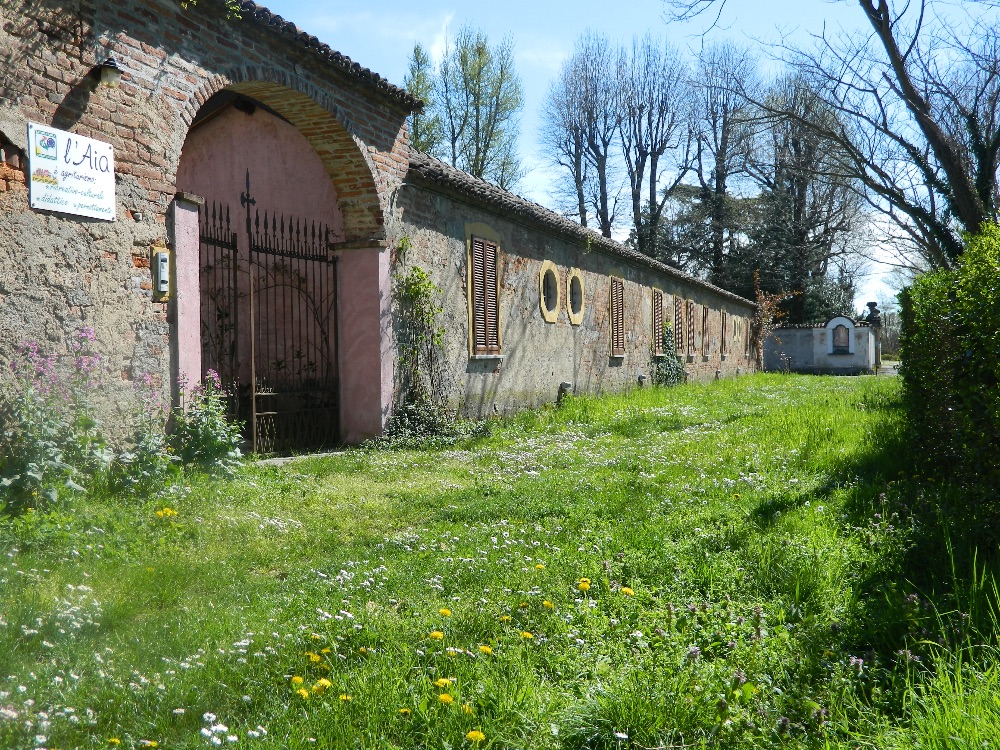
[45, 144]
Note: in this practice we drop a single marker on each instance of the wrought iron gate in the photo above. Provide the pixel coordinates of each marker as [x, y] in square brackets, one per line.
[268, 318]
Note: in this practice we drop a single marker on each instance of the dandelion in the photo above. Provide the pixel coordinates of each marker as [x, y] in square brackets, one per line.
[314, 658]
[149, 743]
[303, 693]
[405, 712]
[548, 605]
[437, 635]
[627, 591]
[444, 612]
[526, 635]
[362, 650]
[166, 512]
[322, 685]
[475, 736]
[485, 650]
[584, 584]
[344, 697]
[504, 618]
[539, 566]
[296, 680]
[446, 699]
[442, 682]
[326, 650]
[466, 708]
[114, 741]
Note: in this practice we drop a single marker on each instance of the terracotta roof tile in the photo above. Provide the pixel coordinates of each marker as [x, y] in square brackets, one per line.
[428, 169]
[287, 29]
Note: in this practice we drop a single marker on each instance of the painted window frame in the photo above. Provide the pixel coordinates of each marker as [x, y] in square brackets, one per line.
[549, 315]
[616, 317]
[706, 342]
[678, 326]
[657, 321]
[575, 318]
[483, 291]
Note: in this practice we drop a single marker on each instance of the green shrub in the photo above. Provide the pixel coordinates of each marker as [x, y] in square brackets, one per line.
[950, 352]
[665, 369]
[50, 440]
[203, 435]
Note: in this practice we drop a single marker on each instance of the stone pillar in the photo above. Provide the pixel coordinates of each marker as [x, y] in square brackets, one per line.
[365, 342]
[186, 294]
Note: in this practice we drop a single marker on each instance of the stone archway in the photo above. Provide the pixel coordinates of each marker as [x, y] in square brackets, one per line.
[325, 168]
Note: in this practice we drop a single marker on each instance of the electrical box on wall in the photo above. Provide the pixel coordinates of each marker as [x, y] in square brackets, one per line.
[161, 272]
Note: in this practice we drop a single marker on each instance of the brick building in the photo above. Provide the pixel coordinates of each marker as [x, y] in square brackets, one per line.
[277, 177]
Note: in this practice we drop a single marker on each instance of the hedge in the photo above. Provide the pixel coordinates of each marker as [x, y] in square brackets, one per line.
[950, 363]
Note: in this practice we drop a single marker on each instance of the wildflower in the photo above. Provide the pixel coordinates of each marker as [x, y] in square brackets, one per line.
[296, 680]
[627, 591]
[475, 736]
[166, 512]
[526, 635]
[405, 712]
[314, 658]
[437, 635]
[326, 650]
[548, 605]
[362, 651]
[694, 653]
[584, 584]
[345, 697]
[303, 692]
[539, 566]
[444, 612]
[523, 605]
[466, 708]
[322, 685]
[504, 618]
[485, 650]
[446, 699]
[442, 682]
[149, 743]
[178, 712]
[114, 741]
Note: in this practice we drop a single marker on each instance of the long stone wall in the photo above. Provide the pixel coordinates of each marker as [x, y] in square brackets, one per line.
[436, 220]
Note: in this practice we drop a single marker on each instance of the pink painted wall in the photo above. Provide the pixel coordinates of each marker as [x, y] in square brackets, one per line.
[186, 299]
[287, 176]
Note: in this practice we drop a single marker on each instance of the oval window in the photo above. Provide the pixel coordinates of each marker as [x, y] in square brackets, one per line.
[575, 294]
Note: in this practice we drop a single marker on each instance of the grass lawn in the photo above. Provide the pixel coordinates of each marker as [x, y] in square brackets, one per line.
[723, 565]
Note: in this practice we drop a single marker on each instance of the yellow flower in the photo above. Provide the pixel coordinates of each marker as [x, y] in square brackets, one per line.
[114, 741]
[149, 743]
[446, 699]
[442, 682]
[627, 591]
[150, 569]
[475, 736]
[584, 584]
[526, 635]
[362, 650]
[345, 697]
[539, 566]
[405, 712]
[548, 605]
[504, 618]
[316, 637]
[523, 605]
[326, 650]
[314, 658]
[296, 680]
[485, 650]
[444, 612]
[303, 692]
[437, 635]
[166, 512]
[466, 708]
[322, 685]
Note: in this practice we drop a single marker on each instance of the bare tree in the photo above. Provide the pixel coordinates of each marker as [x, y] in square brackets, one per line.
[654, 125]
[919, 128]
[564, 141]
[478, 97]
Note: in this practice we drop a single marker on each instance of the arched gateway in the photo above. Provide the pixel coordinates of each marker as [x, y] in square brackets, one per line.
[279, 235]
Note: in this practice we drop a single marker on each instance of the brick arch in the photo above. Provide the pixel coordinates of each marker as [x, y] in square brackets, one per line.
[328, 129]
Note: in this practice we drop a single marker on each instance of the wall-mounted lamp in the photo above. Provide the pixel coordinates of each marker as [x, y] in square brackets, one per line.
[108, 73]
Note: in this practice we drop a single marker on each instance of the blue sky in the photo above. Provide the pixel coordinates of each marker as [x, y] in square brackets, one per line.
[381, 35]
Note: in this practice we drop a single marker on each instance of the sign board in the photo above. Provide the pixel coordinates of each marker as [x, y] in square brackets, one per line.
[70, 173]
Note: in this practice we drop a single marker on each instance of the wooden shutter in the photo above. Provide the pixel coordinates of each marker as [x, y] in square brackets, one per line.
[657, 322]
[704, 330]
[485, 298]
[617, 317]
[678, 325]
[725, 332]
[690, 328]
